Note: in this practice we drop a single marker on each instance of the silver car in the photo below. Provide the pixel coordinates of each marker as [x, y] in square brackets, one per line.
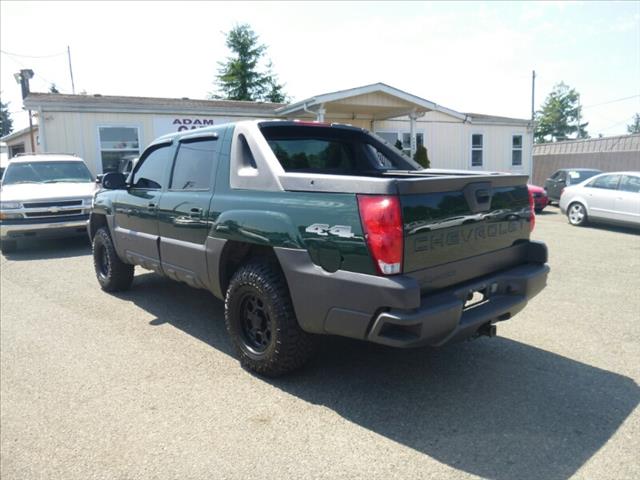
[609, 197]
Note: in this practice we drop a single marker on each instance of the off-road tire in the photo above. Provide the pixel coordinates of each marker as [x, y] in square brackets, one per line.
[113, 274]
[288, 347]
[577, 214]
[8, 246]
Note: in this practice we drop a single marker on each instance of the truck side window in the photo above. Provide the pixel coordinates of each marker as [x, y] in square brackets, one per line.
[193, 166]
[151, 170]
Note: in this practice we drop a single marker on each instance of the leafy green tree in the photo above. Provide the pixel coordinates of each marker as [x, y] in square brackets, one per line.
[6, 124]
[53, 88]
[240, 76]
[422, 156]
[634, 127]
[559, 116]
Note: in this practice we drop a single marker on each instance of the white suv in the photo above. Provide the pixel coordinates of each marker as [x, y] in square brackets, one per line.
[44, 195]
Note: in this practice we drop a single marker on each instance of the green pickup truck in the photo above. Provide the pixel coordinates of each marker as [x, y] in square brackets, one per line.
[305, 228]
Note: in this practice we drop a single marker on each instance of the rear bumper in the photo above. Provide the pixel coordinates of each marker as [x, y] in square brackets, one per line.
[11, 229]
[392, 311]
[442, 318]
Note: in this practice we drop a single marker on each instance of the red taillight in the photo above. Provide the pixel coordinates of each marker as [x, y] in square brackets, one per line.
[382, 224]
[532, 208]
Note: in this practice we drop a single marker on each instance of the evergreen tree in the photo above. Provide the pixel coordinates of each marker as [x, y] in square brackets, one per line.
[6, 124]
[559, 116]
[275, 91]
[422, 156]
[240, 77]
[634, 127]
[53, 88]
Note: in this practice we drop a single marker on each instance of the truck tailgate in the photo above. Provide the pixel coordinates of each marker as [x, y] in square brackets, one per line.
[481, 215]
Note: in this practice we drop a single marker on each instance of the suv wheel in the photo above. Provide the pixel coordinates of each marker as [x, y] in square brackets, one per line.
[8, 246]
[577, 214]
[113, 274]
[261, 322]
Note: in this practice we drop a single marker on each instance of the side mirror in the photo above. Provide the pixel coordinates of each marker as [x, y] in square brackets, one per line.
[114, 181]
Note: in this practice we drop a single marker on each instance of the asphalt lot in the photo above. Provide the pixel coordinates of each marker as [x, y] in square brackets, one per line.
[145, 385]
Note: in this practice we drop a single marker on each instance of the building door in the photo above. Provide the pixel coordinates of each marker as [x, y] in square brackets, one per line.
[183, 213]
[136, 209]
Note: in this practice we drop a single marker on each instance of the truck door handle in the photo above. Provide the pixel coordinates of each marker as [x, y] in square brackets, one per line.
[195, 213]
[151, 206]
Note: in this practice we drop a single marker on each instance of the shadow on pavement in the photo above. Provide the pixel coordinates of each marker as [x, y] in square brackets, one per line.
[614, 228]
[546, 212]
[495, 408]
[41, 249]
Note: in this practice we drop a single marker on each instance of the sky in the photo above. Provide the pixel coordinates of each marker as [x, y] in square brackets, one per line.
[471, 57]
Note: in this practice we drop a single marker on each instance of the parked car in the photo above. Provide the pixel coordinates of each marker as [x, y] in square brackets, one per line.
[540, 197]
[608, 197]
[44, 196]
[302, 228]
[565, 177]
[4, 158]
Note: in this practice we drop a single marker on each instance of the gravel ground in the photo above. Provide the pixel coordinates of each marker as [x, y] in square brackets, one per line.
[145, 385]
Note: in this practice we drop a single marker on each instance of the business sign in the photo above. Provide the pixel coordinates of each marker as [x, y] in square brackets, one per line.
[181, 123]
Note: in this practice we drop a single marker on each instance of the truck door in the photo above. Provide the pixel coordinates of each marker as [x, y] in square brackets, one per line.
[136, 209]
[184, 210]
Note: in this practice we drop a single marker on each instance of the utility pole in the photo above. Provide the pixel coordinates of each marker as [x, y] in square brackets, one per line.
[23, 77]
[73, 87]
[533, 120]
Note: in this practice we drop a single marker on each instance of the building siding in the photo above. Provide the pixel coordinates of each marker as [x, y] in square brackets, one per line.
[449, 142]
[77, 132]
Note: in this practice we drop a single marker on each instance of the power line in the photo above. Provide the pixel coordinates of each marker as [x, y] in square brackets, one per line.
[32, 56]
[618, 124]
[612, 101]
[36, 74]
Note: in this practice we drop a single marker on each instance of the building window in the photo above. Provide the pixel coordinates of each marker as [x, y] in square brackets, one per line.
[389, 137]
[403, 137]
[516, 150]
[16, 149]
[117, 146]
[477, 141]
[406, 140]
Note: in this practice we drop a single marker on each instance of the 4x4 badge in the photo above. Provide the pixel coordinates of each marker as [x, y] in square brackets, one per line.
[324, 229]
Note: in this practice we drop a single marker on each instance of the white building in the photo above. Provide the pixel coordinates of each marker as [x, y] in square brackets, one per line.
[105, 129]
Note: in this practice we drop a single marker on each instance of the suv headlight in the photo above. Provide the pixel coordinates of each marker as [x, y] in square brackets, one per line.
[10, 205]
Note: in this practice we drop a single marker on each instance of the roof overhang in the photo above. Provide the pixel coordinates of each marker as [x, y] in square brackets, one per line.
[377, 101]
[18, 133]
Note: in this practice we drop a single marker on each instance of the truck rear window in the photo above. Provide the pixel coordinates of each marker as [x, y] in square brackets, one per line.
[332, 150]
